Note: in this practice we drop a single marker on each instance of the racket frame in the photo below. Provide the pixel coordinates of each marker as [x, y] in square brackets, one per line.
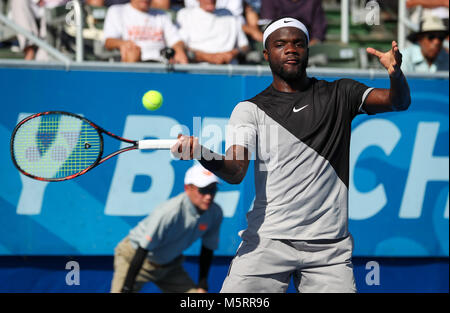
[99, 160]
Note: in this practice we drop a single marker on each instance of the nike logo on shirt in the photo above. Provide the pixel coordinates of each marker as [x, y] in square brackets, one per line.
[298, 110]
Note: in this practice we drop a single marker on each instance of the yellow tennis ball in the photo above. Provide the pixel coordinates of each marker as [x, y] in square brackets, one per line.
[152, 100]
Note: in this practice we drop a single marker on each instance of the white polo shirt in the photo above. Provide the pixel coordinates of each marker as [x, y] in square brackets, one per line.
[210, 32]
[151, 31]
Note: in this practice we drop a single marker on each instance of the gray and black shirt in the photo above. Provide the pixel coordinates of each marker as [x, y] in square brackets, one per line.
[300, 143]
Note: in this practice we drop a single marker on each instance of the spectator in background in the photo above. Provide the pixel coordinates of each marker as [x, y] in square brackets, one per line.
[211, 35]
[234, 6]
[160, 4]
[96, 3]
[29, 14]
[430, 4]
[155, 4]
[140, 33]
[242, 9]
[152, 251]
[109, 3]
[439, 8]
[310, 12]
[251, 27]
[426, 54]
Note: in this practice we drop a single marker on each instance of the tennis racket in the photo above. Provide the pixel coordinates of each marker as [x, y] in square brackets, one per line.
[56, 146]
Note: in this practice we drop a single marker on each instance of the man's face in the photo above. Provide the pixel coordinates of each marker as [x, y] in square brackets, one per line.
[287, 53]
[431, 44]
[208, 5]
[201, 197]
[141, 5]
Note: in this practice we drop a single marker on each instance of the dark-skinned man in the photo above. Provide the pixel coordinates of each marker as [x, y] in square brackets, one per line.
[298, 132]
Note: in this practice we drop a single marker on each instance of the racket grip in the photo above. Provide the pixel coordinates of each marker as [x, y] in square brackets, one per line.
[158, 144]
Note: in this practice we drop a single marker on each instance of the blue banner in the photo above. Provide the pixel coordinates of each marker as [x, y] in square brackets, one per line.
[399, 181]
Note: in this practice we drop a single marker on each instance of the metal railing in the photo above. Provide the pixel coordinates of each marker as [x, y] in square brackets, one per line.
[345, 12]
[78, 12]
[405, 24]
[77, 7]
[230, 70]
[37, 41]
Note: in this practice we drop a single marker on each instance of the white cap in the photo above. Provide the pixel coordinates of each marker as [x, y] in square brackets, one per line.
[199, 176]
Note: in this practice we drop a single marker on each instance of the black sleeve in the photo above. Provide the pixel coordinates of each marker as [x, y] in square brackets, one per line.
[206, 256]
[352, 95]
[133, 270]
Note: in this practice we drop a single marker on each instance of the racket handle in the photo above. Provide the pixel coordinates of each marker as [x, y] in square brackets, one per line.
[156, 143]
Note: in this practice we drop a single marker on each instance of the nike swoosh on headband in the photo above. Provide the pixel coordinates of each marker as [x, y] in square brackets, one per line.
[282, 23]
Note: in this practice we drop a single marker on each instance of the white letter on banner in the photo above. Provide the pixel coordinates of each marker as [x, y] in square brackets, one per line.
[376, 132]
[73, 277]
[424, 168]
[156, 164]
[214, 130]
[373, 277]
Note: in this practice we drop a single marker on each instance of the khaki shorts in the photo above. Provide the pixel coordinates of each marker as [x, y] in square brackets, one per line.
[169, 277]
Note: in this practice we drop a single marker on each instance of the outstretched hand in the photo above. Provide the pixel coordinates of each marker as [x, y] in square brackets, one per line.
[391, 60]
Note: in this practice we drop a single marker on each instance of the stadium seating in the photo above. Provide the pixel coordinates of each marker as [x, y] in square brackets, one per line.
[8, 43]
[335, 55]
[361, 35]
[331, 53]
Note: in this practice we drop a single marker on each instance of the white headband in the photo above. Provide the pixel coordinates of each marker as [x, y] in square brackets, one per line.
[284, 22]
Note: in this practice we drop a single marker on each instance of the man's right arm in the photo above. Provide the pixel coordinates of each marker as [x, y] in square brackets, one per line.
[214, 58]
[114, 43]
[230, 167]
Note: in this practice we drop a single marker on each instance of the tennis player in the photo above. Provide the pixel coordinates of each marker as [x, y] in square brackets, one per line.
[152, 251]
[298, 130]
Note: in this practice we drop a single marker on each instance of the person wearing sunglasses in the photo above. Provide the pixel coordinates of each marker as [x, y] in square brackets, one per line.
[152, 251]
[426, 54]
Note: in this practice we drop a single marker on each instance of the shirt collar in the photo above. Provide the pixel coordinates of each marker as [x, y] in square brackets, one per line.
[187, 204]
[417, 56]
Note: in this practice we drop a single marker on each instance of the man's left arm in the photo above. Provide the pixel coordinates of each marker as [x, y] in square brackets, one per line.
[180, 54]
[206, 256]
[398, 96]
[210, 242]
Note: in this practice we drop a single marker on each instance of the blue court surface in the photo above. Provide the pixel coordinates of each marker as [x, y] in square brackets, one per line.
[43, 274]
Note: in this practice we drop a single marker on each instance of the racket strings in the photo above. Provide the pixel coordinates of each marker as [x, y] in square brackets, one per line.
[55, 146]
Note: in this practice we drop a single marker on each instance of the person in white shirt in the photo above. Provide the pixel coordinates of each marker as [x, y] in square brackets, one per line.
[211, 35]
[242, 10]
[140, 33]
[424, 8]
[29, 14]
[234, 6]
[426, 54]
